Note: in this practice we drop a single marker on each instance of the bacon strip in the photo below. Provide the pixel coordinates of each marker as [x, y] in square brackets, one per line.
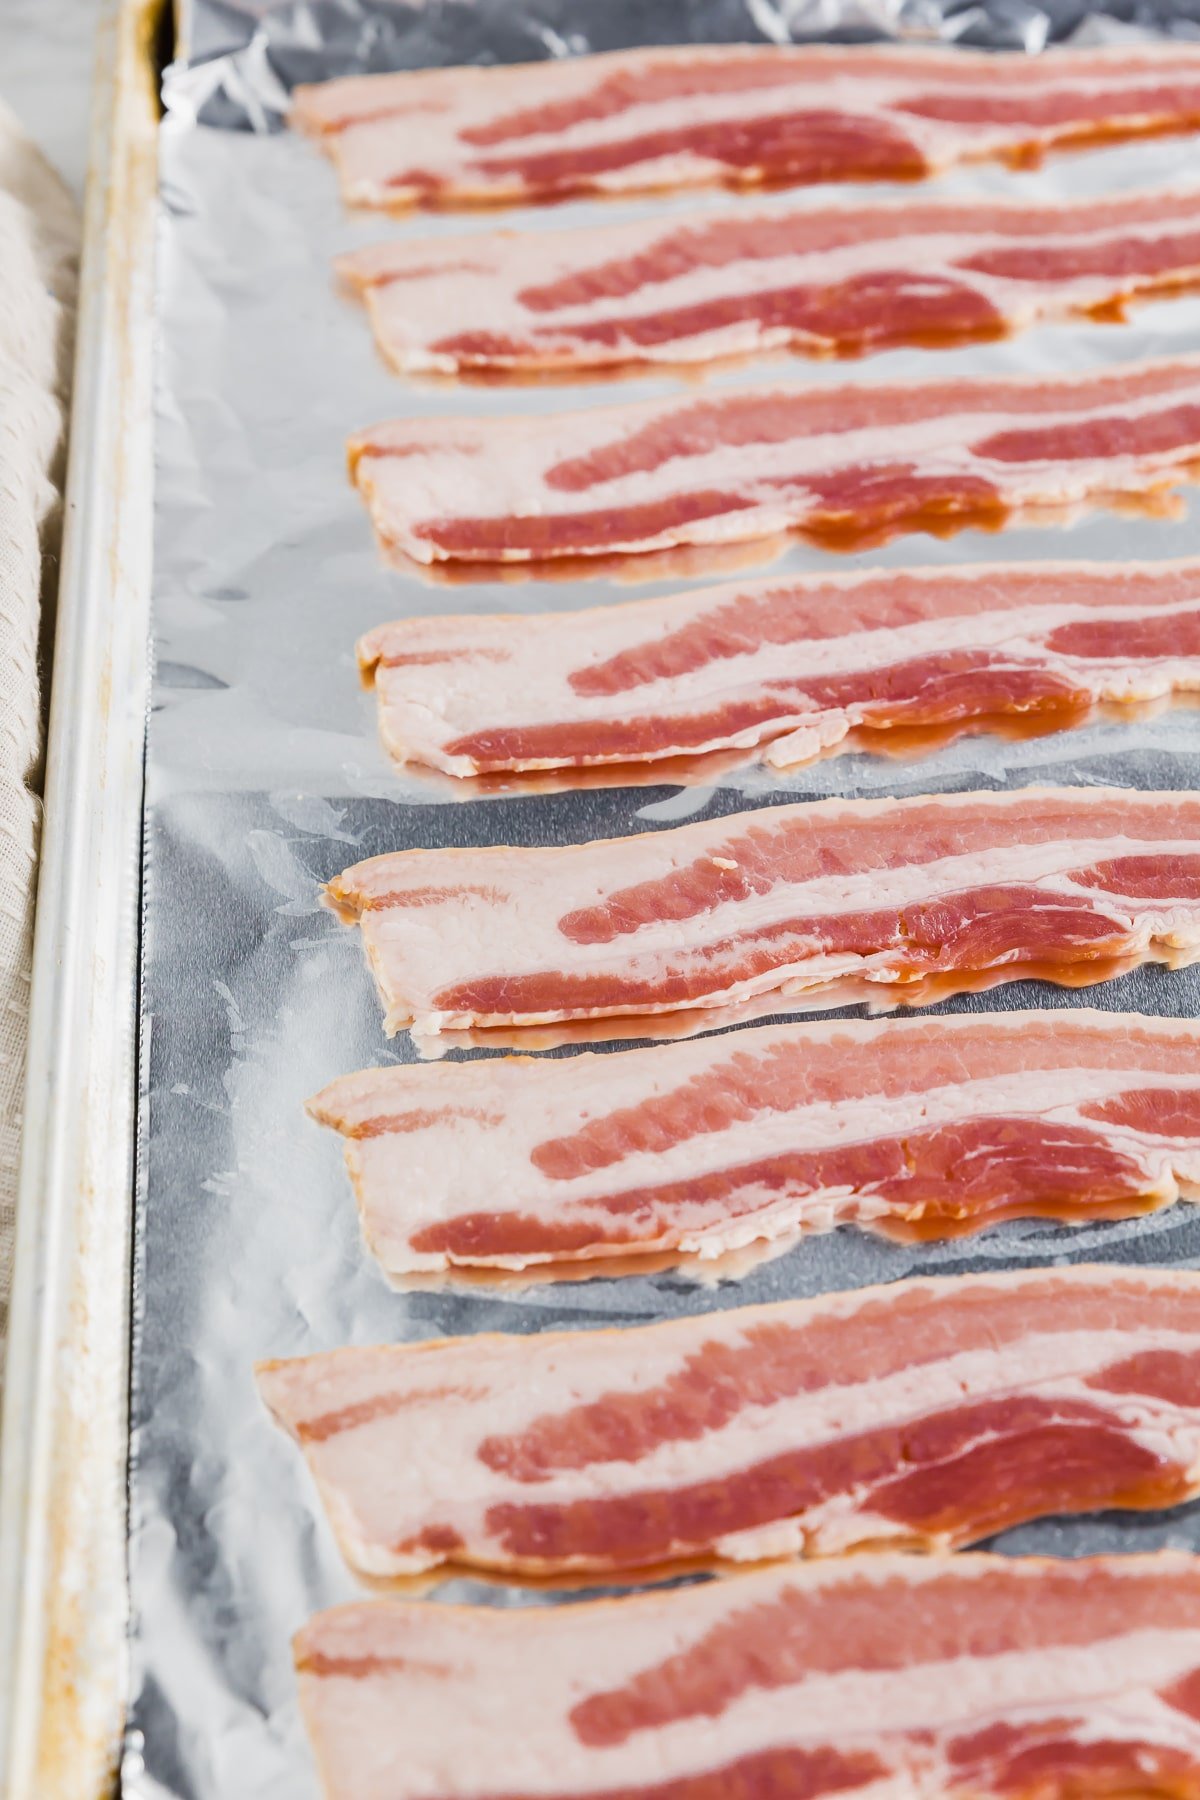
[931, 1129]
[862, 460]
[823, 279]
[886, 1677]
[785, 668]
[928, 1414]
[788, 901]
[742, 116]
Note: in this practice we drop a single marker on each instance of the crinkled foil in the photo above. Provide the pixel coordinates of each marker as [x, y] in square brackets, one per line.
[244, 56]
[266, 777]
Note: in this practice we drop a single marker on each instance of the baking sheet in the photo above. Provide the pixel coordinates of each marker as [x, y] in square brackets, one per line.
[265, 778]
[63, 1587]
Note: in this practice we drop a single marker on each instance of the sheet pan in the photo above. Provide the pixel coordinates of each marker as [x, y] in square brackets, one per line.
[265, 777]
[63, 1491]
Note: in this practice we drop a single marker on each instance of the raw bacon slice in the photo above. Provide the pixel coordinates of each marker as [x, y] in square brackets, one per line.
[785, 668]
[834, 462]
[788, 901]
[884, 1677]
[927, 1414]
[839, 279]
[931, 1129]
[683, 117]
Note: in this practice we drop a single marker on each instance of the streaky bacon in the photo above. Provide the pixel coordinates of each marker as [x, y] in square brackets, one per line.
[923, 1129]
[827, 279]
[927, 1414]
[885, 1677]
[787, 669]
[788, 902]
[742, 116]
[842, 463]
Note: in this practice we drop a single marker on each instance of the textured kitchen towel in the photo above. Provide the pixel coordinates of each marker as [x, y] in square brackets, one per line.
[38, 256]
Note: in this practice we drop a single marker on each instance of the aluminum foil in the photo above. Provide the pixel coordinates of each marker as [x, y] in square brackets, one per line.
[265, 778]
[241, 58]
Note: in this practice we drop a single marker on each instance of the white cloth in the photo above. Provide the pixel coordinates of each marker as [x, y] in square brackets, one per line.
[38, 264]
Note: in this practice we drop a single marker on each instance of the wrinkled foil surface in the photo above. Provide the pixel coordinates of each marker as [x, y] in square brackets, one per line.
[265, 778]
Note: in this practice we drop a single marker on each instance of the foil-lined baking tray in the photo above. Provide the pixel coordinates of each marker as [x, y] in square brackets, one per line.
[265, 778]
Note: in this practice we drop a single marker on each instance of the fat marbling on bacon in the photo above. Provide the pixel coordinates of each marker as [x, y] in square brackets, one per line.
[787, 669]
[927, 1414]
[821, 279]
[796, 902]
[926, 1129]
[840, 462]
[883, 1677]
[687, 116]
